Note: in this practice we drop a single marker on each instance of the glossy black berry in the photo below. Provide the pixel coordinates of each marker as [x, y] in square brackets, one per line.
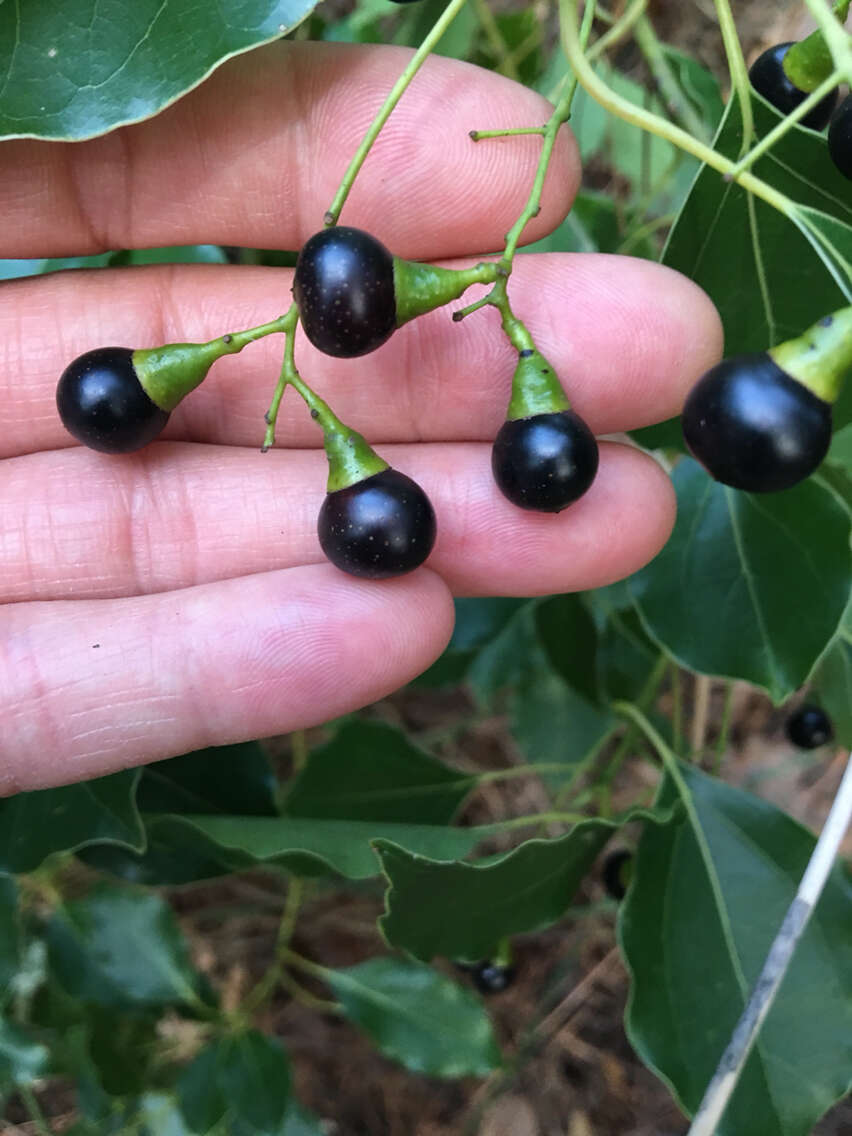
[379, 527]
[840, 138]
[769, 79]
[102, 403]
[754, 427]
[616, 873]
[546, 461]
[809, 727]
[491, 977]
[344, 287]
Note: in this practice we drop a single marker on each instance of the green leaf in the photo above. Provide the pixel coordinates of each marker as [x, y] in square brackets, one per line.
[81, 68]
[720, 595]
[121, 948]
[243, 1080]
[769, 277]
[306, 846]
[462, 911]
[569, 637]
[35, 825]
[22, 1060]
[478, 622]
[832, 682]
[626, 657]
[221, 779]
[418, 1017]
[705, 904]
[10, 935]
[159, 1115]
[173, 254]
[371, 771]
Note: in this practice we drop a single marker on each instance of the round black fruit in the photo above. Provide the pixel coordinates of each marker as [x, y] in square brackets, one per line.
[344, 287]
[754, 427]
[809, 727]
[492, 978]
[379, 527]
[616, 873]
[840, 138]
[102, 403]
[546, 461]
[769, 79]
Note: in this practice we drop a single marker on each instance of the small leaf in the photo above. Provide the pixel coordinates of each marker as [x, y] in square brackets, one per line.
[121, 948]
[418, 1017]
[707, 899]
[80, 68]
[22, 1059]
[244, 1080]
[35, 825]
[462, 911]
[719, 596]
[371, 771]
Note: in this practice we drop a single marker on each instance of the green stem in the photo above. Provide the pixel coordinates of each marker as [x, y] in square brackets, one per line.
[388, 106]
[518, 771]
[737, 67]
[619, 30]
[533, 819]
[665, 753]
[654, 123]
[505, 64]
[778, 132]
[677, 706]
[645, 231]
[724, 729]
[289, 917]
[289, 323]
[676, 101]
[514, 132]
[299, 750]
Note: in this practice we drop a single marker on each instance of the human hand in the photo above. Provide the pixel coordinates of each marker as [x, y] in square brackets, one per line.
[177, 597]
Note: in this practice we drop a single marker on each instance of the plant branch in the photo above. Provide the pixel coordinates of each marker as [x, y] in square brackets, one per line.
[737, 67]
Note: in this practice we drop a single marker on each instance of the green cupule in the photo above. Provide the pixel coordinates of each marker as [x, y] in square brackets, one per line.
[350, 457]
[808, 63]
[421, 288]
[821, 358]
[536, 389]
[167, 374]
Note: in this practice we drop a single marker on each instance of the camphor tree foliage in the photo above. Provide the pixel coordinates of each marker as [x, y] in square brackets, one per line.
[750, 187]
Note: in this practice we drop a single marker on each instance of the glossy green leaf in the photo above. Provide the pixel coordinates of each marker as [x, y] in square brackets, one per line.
[552, 723]
[35, 825]
[121, 948]
[626, 657]
[749, 586]
[479, 621]
[504, 659]
[307, 846]
[243, 1080]
[418, 1017]
[371, 771]
[832, 682]
[706, 902]
[22, 1059]
[769, 277]
[221, 779]
[569, 637]
[462, 911]
[80, 68]
[10, 935]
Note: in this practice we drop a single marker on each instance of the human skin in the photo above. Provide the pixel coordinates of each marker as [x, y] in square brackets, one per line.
[157, 602]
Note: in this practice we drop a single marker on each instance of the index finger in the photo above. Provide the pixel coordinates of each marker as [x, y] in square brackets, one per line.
[254, 156]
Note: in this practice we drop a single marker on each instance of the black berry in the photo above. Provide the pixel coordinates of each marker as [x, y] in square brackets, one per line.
[102, 403]
[754, 427]
[840, 138]
[491, 977]
[616, 873]
[809, 727]
[379, 527]
[344, 287]
[546, 461]
[769, 79]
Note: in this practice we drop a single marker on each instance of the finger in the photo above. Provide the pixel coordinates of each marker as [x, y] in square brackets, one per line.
[79, 524]
[255, 154]
[628, 338]
[90, 687]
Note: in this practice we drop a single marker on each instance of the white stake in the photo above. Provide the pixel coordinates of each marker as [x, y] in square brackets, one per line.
[777, 961]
